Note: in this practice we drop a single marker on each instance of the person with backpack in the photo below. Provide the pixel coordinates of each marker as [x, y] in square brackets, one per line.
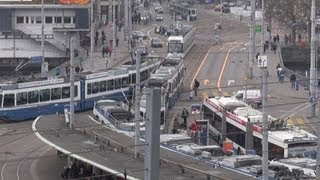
[184, 116]
[196, 86]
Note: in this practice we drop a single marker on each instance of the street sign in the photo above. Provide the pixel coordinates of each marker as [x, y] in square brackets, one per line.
[36, 59]
[257, 28]
[262, 61]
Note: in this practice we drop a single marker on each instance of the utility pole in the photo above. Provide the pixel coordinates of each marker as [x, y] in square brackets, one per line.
[71, 82]
[137, 108]
[252, 39]
[43, 64]
[92, 28]
[114, 28]
[152, 148]
[262, 26]
[265, 151]
[313, 70]
[126, 23]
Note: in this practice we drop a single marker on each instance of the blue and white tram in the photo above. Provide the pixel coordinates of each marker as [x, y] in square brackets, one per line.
[181, 43]
[23, 101]
[169, 76]
[185, 10]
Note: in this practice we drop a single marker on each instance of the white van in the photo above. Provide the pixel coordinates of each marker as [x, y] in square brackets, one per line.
[250, 96]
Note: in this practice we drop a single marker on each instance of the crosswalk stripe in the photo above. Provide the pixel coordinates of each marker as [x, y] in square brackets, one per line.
[225, 93]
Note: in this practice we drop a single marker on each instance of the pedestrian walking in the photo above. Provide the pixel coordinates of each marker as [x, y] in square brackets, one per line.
[97, 34]
[184, 116]
[109, 51]
[103, 51]
[106, 62]
[278, 38]
[196, 86]
[279, 69]
[282, 73]
[293, 79]
[286, 39]
[265, 47]
[191, 95]
[297, 84]
[257, 55]
[274, 48]
[176, 125]
[117, 42]
[274, 39]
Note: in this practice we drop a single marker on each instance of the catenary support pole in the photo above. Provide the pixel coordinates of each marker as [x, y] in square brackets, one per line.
[252, 40]
[92, 29]
[137, 108]
[126, 18]
[262, 26]
[114, 28]
[152, 149]
[71, 82]
[265, 171]
[313, 70]
[43, 64]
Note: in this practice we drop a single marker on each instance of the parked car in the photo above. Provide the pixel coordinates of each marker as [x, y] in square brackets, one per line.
[159, 18]
[156, 42]
[138, 35]
[178, 18]
[157, 29]
[218, 7]
[142, 49]
[160, 11]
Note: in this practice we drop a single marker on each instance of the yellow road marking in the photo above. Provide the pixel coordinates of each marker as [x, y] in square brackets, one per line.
[205, 94]
[206, 81]
[225, 93]
[289, 122]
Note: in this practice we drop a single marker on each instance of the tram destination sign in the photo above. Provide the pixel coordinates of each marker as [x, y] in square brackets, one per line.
[40, 83]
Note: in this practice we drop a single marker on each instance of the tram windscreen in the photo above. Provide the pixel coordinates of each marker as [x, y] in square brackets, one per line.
[175, 47]
[298, 149]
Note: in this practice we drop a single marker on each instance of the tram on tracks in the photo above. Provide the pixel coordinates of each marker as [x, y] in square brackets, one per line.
[284, 141]
[181, 42]
[185, 10]
[28, 100]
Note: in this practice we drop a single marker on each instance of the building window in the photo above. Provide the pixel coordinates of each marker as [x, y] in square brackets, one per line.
[20, 19]
[67, 20]
[73, 20]
[33, 19]
[27, 19]
[48, 20]
[58, 19]
[38, 20]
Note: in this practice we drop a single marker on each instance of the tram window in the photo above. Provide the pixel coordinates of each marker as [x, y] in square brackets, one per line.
[236, 135]
[44, 95]
[125, 83]
[0, 100]
[133, 78]
[95, 87]
[110, 85]
[65, 92]
[117, 83]
[22, 98]
[144, 75]
[75, 91]
[56, 93]
[8, 100]
[89, 88]
[33, 97]
[103, 86]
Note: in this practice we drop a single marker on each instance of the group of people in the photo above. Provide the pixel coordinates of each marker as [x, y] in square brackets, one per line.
[280, 73]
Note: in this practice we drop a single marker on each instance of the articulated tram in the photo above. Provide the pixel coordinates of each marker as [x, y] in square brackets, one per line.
[185, 10]
[181, 41]
[23, 101]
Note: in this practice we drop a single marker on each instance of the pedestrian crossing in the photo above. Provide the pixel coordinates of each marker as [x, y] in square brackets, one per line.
[215, 92]
[301, 123]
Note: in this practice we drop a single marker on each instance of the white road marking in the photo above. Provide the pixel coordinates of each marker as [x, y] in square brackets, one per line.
[230, 82]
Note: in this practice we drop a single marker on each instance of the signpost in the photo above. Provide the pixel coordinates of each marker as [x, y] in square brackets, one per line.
[257, 28]
[262, 61]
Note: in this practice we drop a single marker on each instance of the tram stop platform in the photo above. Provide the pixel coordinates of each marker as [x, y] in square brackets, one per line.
[112, 152]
